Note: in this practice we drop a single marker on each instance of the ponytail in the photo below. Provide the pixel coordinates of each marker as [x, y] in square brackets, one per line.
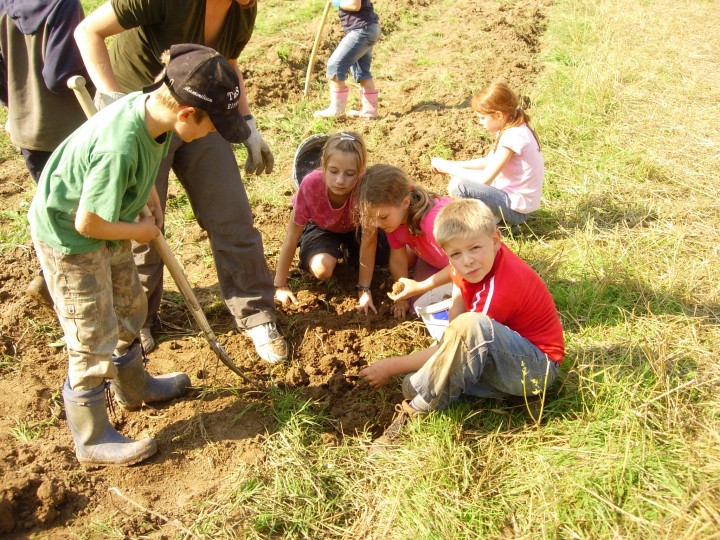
[498, 97]
[386, 185]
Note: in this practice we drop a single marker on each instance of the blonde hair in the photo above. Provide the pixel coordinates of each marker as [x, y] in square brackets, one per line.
[166, 98]
[385, 185]
[345, 141]
[498, 97]
[463, 218]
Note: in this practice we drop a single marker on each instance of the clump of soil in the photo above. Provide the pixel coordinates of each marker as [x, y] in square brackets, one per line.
[397, 288]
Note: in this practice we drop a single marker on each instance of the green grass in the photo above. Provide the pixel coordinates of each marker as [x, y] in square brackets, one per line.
[625, 104]
[14, 229]
[628, 445]
[25, 431]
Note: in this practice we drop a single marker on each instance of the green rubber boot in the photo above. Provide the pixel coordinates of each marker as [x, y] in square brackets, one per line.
[134, 386]
[96, 441]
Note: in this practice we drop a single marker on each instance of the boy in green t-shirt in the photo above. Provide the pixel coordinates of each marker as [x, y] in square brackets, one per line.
[82, 220]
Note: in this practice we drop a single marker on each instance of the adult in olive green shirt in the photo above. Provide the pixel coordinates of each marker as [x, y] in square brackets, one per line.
[207, 168]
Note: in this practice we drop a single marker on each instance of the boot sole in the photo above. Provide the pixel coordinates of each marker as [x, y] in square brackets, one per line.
[91, 463]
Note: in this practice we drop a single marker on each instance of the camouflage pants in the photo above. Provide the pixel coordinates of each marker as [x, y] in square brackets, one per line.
[100, 304]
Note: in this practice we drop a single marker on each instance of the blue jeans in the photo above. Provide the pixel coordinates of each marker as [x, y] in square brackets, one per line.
[498, 201]
[482, 358]
[354, 53]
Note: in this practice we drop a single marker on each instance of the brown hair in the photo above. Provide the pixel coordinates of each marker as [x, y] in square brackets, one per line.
[463, 218]
[345, 141]
[498, 97]
[385, 185]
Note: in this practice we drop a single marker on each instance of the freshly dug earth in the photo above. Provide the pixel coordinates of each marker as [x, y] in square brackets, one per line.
[222, 422]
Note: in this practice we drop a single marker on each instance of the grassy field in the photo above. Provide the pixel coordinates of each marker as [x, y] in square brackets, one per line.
[628, 446]
[629, 443]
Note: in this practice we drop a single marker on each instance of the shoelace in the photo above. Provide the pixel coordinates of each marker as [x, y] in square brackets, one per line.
[109, 399]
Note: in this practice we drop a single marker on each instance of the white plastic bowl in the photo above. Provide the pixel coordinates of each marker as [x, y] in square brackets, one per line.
[433, 308]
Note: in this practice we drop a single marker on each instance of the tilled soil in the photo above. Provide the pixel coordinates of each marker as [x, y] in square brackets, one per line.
[222, 422]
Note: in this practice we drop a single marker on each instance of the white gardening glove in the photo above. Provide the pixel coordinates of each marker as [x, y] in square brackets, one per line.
[102, 99]
[259, 158]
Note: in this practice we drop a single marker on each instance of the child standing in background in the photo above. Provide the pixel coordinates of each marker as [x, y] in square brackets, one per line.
[324, 214]
[406, 212]
[354, 53]
[509, 178]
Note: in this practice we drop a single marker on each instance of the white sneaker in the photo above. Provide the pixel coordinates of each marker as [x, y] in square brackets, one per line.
[269, 344]
[147, 340]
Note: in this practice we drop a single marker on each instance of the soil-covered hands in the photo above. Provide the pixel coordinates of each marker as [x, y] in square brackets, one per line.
[283, 295]
[379, 373]
[145, 230]
[404, 289]
[259, 156]
[365, 302]
[400, 309]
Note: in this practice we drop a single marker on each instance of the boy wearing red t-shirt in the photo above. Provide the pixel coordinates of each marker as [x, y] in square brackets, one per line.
[505, 337]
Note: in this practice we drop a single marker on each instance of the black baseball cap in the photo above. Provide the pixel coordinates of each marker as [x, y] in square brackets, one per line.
[201, 77]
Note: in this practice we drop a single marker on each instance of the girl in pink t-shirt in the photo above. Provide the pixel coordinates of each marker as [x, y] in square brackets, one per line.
[323, 218]
[406, 212]
[509, 178]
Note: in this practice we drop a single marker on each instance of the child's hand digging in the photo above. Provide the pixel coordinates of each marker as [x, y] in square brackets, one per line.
[379, 373]
[401, 291]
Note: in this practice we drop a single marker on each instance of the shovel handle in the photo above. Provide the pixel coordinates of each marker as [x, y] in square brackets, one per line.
[77, 84]
[313, 52]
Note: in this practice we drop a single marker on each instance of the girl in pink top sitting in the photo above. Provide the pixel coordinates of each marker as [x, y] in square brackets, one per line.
[509, 178]
[324, 215]
[406, 212]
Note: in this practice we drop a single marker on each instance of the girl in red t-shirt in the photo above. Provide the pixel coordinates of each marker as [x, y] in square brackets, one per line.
[324, 212]
[406, 212]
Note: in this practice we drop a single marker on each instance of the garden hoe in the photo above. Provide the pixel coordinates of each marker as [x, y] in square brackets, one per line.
[77, 84]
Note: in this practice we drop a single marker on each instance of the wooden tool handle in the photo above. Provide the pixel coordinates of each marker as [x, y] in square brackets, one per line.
[313, 53]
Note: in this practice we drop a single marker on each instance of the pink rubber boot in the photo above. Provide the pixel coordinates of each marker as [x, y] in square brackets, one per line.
[338, 100]
[369, 105]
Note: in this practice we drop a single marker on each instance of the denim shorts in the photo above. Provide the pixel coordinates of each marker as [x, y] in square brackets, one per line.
[354, 53]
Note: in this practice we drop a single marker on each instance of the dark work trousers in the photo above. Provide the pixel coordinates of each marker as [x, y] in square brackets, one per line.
[208, 171]
[35, 161]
